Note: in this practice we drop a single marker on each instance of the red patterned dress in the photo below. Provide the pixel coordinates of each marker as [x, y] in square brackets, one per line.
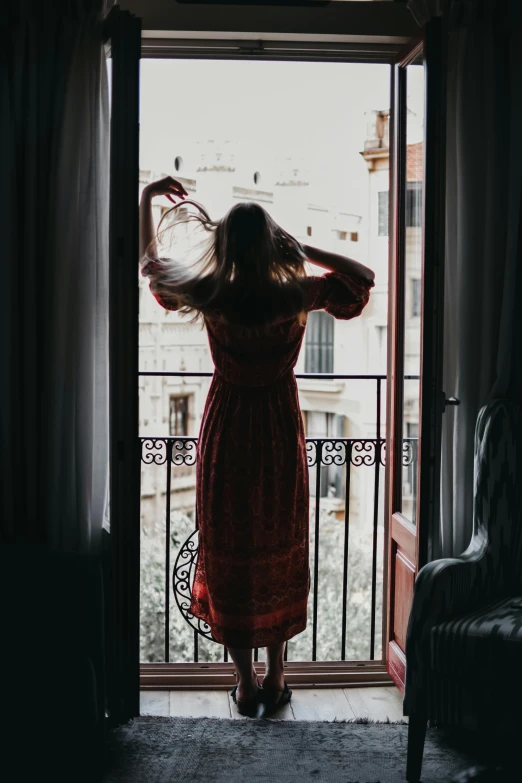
[252, 499]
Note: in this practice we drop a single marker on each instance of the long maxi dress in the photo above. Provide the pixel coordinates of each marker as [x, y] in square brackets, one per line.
[252, 575]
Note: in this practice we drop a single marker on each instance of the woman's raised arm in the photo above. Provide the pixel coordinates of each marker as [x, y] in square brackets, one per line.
[337, 263]
[168, 187]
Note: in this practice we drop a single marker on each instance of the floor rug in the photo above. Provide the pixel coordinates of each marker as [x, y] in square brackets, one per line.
[209, 750]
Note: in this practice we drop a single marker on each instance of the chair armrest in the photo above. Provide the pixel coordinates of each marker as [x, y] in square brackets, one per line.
[444, 589]
[489, 568]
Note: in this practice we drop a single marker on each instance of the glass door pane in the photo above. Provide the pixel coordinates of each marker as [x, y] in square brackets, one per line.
[412, 280]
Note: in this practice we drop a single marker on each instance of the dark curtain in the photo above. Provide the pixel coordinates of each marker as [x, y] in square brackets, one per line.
[53, 144]
[483, 266]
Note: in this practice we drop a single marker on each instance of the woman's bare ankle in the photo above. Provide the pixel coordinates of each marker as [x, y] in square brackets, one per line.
[274, 679]
[247, 689]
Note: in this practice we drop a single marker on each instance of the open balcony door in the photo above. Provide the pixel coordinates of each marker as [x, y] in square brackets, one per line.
[415, 399]
[123, 44]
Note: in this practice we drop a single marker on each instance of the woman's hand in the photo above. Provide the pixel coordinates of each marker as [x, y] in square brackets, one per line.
[168, 186]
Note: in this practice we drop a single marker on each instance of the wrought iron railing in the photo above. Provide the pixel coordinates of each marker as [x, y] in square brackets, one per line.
[177, 452]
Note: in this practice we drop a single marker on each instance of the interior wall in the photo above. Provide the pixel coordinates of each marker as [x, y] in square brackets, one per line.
[379, 20]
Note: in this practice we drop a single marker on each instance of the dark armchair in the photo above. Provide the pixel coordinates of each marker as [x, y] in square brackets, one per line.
[464, 639]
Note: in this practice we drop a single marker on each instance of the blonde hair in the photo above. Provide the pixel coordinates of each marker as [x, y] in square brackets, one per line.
[250, 270]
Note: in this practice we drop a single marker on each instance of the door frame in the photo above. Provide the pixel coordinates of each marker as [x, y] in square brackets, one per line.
[414, 540]
[292, 21]
[125, 557]
[123, 582]
[432, 395]
[300, 674]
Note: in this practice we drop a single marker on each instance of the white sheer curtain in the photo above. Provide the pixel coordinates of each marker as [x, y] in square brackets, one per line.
[54, 132]
[483, 295]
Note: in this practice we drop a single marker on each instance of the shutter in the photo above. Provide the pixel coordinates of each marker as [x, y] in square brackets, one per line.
[319, 346]
[383, 213]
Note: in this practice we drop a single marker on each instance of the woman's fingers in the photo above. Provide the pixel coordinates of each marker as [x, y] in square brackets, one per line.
[170, 198]
[166, 186]
[179, 191]
[177, 186]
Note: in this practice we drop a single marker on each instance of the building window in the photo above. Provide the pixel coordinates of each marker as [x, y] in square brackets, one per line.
[323, 424]
[319, 347]
[413, 208]
[382, 348]
[309, 231]
[354, 236]
[257, 178]
[383, 213]
[412, 434]
[319, 424]
[415, 298]
[414, 204]
[342, 235]
[178, 163]
[178, 415]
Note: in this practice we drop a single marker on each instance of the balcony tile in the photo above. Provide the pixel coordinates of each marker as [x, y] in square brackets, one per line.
[321, 704]
[199, 704]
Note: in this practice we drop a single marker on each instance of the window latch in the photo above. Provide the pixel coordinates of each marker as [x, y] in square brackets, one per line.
[449, 401]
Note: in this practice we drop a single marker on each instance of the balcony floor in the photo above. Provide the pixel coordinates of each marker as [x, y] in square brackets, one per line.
[379, 703]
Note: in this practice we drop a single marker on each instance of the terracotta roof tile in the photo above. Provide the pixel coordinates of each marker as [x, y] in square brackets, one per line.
[414, 171]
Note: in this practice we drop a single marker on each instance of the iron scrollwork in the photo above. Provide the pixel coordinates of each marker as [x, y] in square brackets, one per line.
[363, 452]
[184, 451]
[178, 450]
[334, 452]
[182, 579]
[154, 451]
[337, 451]
[409, 449]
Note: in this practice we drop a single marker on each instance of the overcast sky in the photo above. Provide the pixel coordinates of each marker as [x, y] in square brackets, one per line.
[312, 112]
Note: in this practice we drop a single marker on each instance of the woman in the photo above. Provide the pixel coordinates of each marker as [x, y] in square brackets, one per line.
[251, 289]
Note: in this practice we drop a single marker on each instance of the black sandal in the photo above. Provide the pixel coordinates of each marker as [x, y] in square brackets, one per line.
[247, 707]
[273, 700]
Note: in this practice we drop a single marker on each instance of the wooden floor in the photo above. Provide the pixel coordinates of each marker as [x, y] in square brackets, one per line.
[376, 703]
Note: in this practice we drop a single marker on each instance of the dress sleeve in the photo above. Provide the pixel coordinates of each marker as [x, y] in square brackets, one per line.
[153, 270]
[343, 296]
